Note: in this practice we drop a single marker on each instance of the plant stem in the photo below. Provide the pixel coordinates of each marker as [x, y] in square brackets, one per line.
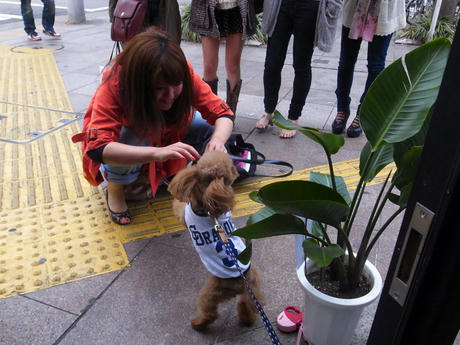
[354, 201]
[323, 230]
[331, 170]
[355, 210]
[355, 273]
[382, 229]
[347, 244]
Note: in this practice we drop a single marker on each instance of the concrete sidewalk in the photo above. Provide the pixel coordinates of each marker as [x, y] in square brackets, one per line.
[151, 301]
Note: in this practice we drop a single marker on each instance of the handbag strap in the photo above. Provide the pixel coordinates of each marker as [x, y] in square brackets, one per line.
[260, 160]
[116, 49]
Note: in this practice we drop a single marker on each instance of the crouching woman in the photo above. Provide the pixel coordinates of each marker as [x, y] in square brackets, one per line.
[143, 114]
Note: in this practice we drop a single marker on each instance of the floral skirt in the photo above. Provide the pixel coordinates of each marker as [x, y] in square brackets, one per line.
[229, 21]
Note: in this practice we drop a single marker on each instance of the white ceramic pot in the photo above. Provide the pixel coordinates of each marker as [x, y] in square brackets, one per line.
[329, 320]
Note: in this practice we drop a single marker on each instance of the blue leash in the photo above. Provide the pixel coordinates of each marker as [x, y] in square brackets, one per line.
[228, 249]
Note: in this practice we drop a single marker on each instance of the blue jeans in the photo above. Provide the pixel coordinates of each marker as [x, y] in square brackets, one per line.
[298, 18]
[198, 132]
[349, 49]
[48, 14]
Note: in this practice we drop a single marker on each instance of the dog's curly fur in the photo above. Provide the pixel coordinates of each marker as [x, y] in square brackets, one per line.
[207, 186]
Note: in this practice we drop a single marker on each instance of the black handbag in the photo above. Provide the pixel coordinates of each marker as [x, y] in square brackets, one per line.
[246, 158]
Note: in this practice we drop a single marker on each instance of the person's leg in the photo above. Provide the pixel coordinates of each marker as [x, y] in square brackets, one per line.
[274, 61]
[199, 131]
[28, 16]
[48, 15]
[117, 176]
[233, 49]
[376, 55]
[210, 47]
[349, 50]
[304, 14]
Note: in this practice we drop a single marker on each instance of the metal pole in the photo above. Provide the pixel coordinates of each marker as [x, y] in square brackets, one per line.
[434, 19]
[76, 12]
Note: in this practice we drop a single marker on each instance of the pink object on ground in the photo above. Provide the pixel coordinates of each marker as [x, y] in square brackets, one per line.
[289, 319]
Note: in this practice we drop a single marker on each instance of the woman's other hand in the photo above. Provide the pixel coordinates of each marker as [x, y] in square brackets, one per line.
[176, 151]
[222, 130]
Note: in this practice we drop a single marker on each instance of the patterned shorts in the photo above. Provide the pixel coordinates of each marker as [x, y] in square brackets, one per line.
[229, 21]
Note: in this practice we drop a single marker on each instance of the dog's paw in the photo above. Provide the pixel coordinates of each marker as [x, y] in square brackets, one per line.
[246, 314]
[199, 324]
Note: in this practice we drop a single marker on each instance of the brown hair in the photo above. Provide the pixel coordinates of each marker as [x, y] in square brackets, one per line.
[147, 59]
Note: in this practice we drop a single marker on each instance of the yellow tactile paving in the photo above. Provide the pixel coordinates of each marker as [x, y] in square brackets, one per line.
[54, 226]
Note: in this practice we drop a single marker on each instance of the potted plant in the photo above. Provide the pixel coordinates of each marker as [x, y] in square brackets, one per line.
[394, 117]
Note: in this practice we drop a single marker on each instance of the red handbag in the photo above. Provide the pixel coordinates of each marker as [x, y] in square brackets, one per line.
[128, 19]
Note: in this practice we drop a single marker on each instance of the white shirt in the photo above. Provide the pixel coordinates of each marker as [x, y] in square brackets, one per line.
[208, 245]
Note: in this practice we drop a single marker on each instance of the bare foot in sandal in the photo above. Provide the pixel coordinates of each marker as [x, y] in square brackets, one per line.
[288, 133]
[264, 122]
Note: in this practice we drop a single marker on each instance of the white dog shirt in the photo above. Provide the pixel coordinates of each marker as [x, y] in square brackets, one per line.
[208, 245]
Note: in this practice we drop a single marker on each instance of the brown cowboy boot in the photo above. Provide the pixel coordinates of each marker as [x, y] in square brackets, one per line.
[233, 95]
[213, 85]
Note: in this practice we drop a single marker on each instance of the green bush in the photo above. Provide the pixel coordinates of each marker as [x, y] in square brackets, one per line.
[419, 30]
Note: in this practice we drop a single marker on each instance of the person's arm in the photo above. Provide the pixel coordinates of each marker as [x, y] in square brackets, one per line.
[121, 154]
[214, 110]
[223, 129]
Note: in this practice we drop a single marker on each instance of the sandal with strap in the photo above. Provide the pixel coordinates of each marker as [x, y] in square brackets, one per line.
[120, 218]
[264, 122]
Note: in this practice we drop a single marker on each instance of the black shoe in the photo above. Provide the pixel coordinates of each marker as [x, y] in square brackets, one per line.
[340, 121]
[354, 130]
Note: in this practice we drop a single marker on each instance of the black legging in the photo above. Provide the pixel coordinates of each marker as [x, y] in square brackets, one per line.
[297, 17]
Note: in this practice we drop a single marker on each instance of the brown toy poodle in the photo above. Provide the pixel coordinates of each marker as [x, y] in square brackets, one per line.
[203, 193]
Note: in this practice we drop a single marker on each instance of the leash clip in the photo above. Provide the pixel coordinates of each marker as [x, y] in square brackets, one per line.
[220, 231]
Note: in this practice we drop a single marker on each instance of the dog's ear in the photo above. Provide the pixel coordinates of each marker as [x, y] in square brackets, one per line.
[234, 173]
[218, 197]
[179, 210]
[182, 184]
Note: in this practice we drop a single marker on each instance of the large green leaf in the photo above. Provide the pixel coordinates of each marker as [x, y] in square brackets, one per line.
[245, 255]
[316, 229]
[402, 199]
[260, 215]
[330, 142]
[401, 148]
[380, 159]
[325, 180]
[254, 197]
[306, 199]
[322, 256]
[397, 102]
[407, 167]
[275, 225]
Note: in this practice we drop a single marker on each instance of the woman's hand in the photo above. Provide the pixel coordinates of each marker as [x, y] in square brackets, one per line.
[176, 151]
[222, 130]
[216, 145]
